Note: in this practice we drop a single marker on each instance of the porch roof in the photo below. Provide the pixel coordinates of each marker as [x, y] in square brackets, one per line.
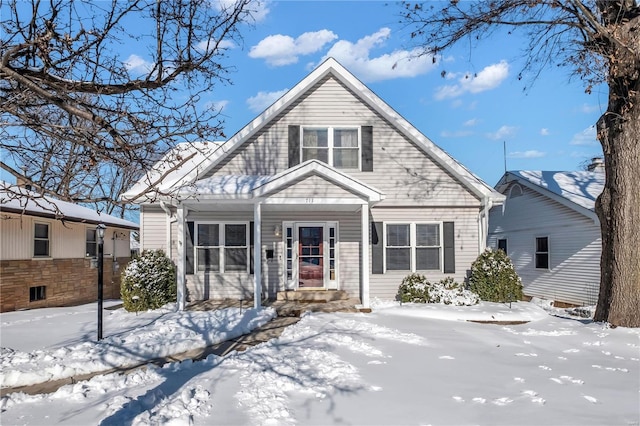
[249, 187]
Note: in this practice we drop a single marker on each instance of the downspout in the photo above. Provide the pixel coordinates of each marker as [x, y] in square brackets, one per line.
[170, 219]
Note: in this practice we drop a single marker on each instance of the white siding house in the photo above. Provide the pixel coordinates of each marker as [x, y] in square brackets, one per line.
[550, 231]
[327, 189]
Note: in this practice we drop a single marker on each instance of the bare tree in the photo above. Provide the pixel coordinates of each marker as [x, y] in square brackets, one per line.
[599, 41]
[83, 121]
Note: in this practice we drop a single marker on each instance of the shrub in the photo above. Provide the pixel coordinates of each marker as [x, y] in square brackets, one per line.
[494, 278]
[415, 288]
[148, 282]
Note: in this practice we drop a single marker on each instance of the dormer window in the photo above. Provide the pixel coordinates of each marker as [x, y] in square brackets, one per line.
[339, 147]
[515, 191]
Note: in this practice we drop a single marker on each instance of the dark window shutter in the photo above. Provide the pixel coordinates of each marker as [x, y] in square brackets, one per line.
[294, 145]
[251, 255]
[448, 231]
[377, 248]
[367, 148]
[188, 249]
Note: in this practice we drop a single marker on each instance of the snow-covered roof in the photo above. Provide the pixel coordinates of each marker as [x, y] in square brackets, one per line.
[580, 188]
[16, 199]
[189, 175]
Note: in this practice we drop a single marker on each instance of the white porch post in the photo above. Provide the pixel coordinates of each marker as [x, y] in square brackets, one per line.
[364, 266]
[257, 255]
[181, 291]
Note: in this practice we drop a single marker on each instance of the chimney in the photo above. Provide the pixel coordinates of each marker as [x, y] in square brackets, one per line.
[597, 165]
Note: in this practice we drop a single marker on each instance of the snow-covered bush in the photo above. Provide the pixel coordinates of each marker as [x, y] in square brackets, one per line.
[148, 282]
[415, 288]
[494, 278]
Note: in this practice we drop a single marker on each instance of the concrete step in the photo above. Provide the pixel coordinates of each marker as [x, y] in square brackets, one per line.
[287, 308]
[312, 296]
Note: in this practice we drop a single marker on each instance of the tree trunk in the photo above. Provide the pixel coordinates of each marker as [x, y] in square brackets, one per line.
[618, 207]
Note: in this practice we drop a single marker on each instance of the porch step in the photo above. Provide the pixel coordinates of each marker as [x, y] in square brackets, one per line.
[312, 296]
[286, 308]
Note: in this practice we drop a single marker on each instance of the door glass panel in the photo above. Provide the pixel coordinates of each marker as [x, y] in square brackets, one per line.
[310, 261]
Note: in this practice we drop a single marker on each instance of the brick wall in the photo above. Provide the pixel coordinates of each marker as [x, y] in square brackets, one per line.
[68, 282]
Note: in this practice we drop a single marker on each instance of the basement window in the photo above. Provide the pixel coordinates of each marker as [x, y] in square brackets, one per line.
[37, 293]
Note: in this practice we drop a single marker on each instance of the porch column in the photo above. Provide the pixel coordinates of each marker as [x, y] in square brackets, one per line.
[257, 255]
[364, 266]
[180, 272]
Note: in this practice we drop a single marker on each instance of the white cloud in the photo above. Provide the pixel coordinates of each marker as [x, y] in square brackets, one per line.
[217, 105]
[502, 133]
[262, 100]
[258, 9]
[471, 123]
[224, 44]
[456, 134]
[136, 64]
[487, 79]
[544, 132]
[397, 64]
[589, 109]
[279, 50]
[527, 154]
[585, 138]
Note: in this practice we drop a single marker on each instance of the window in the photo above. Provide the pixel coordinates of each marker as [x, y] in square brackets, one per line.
[515, 191]
[41, 240]
[411, 247]
[339, 147]
[502, 245]
[222, 247]
[92, 243]
[542, 252]
[37, 293]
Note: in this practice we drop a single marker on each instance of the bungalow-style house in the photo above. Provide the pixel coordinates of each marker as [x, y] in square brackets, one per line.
[328, 189]
[48, 251]
[548, 227]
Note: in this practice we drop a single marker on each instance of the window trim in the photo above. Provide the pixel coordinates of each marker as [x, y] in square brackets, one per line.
[506, 242]
[547, 253]
[518, 193]
[221, 246]
[413, 237]
[87, 242]
[48, 240]
[330, 144]
[40, 290]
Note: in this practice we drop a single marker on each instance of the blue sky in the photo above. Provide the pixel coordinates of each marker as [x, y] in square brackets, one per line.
[471, 112]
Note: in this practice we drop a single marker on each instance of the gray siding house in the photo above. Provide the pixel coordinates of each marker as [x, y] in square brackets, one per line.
[327, 189]
[548, 227]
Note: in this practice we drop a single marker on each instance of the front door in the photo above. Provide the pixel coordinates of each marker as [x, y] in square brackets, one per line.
[311, 257]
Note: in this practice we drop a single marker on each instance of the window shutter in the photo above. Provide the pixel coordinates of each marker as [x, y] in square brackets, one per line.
[294, 145]
[377, 248]
[448, 231]
[251, 255]
[367, 148]
[189, 253]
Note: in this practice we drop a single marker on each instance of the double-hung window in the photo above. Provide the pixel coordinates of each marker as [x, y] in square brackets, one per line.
[339, 147]
[542, 252]
[222, 247]
[92, 243]
[413, 246]
[41, 240]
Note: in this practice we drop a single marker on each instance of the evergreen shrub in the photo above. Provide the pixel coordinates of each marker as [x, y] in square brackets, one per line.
[494, 278]
[415, 288]
[148, 282]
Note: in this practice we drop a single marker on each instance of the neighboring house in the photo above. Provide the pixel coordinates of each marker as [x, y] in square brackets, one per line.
[329, 188]
[548, 227]
[48, 249]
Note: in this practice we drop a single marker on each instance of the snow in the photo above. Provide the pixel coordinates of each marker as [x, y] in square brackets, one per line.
[400, 364]
[582, 188]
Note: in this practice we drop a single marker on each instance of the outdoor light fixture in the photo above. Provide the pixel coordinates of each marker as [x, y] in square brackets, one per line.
[277, 231]
[100, 234]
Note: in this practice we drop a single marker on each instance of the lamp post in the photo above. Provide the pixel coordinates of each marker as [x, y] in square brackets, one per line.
[100, 234]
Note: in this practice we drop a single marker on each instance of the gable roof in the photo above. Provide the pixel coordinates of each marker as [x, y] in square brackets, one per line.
[332, 67]
[33, 204]
[576, 190]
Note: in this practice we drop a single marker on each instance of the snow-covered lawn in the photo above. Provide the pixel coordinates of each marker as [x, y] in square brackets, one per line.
[398, 365]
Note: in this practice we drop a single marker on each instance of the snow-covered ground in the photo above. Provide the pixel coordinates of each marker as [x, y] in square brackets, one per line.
[398, 365]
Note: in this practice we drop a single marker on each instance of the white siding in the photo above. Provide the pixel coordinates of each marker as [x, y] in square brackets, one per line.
[153, 227]
[385, 286]
[574, 247]
[66, 240]
[402, 171]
